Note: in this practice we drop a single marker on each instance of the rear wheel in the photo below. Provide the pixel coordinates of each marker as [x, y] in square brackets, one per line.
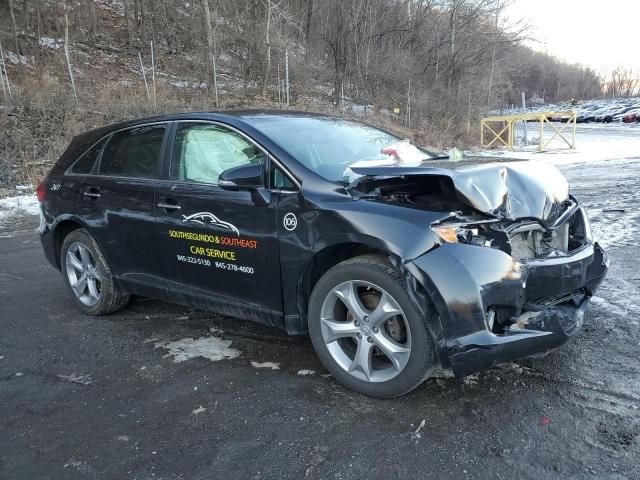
[366, 330]
[88, 276]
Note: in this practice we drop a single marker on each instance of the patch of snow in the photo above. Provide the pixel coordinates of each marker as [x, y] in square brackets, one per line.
[271, 365]
[594, 142]
[80, 466]
[216, 331]
[73, 378]
[183, 84]
[24, 187]
[416, 435]
[613, 229]
[306, 372]
[442, 373]
[471, 379]
[213, 348]
[16, 58]
[122, 438]
[198, 410]
[619, 297]
[53, 43]
[19, 205]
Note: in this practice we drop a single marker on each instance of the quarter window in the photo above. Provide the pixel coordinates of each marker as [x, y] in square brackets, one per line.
[280, 181]
[203, 151]
[133, 153]
[84, 165]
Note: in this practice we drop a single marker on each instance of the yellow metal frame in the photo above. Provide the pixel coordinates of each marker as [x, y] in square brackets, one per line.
[541, 117]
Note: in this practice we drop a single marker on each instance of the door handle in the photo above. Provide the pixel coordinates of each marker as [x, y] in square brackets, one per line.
[169, 206]
[91, 192]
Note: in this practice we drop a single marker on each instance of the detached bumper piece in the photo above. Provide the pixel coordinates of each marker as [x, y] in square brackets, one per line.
[493, 309]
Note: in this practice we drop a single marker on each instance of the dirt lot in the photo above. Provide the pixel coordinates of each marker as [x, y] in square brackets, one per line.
[84, 397]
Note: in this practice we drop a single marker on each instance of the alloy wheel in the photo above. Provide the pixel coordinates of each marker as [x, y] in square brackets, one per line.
[365, 331]
[83, 276]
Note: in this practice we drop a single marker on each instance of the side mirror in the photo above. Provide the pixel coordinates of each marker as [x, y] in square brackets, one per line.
[244, 177]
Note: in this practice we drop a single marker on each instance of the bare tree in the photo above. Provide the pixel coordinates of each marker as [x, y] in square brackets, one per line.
[267, 41]
[4, 76]
[13, 27]
[128, 22]
[211, 41]
[66, 51]
[462, 57]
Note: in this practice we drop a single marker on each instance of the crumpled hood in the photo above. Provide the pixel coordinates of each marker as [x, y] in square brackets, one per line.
[508, 190]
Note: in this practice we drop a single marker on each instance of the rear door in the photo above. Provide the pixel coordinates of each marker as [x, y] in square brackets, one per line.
[218, 243]
[118, 202]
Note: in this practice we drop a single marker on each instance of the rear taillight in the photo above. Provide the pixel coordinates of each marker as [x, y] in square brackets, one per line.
[40, 191]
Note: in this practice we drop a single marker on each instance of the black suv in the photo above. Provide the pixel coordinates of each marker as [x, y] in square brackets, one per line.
[392, 259]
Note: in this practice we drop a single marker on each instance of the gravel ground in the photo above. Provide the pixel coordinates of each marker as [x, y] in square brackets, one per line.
[123, 397]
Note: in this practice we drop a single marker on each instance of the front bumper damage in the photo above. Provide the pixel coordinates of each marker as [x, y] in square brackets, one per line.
[491, 309]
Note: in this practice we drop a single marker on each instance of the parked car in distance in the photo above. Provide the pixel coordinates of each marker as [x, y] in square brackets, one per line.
[611, 114]
[631, 116]
[393, 259]
[619, 115]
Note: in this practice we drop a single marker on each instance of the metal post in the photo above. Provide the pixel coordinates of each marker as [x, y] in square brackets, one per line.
[524, 107]
[541, 139]
[511, 136]
[407, 121]
[286, 73]
[469, 115]
[279, 87]
[215, 80]
[4, 75]
[144, 77]
[153, 75]
[4, 89]
[66, 51]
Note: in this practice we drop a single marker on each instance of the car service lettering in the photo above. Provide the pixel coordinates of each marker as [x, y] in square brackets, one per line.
[212, 252]
[219, 239]
[199, 255]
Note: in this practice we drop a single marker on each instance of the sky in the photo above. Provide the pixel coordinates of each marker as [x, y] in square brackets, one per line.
[600, 34]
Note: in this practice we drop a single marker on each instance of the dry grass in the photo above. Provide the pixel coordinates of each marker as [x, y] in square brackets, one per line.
[43, 118]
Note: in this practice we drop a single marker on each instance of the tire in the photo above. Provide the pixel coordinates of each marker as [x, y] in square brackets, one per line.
[369, 278]
[99, 294]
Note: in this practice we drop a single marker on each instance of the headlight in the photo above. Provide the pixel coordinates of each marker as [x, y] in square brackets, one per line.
[448, 234]
[473, 233]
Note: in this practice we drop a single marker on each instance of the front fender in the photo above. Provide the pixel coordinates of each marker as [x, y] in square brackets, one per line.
[462, 281]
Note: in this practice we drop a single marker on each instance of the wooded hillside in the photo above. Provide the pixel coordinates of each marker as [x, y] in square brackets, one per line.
[442, 63]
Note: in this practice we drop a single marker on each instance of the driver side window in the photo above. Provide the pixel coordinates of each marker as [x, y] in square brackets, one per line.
[201, 152]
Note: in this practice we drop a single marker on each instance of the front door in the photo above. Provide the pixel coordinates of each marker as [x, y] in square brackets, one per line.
[217, 244]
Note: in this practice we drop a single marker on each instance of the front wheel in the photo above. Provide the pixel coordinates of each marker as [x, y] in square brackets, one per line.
[366, 330]
[87, 274]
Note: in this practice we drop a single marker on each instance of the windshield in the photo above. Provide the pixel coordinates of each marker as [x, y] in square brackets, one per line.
[329, 146]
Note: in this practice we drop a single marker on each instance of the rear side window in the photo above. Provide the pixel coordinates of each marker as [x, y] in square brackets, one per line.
[84, 165]
[133, 153]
